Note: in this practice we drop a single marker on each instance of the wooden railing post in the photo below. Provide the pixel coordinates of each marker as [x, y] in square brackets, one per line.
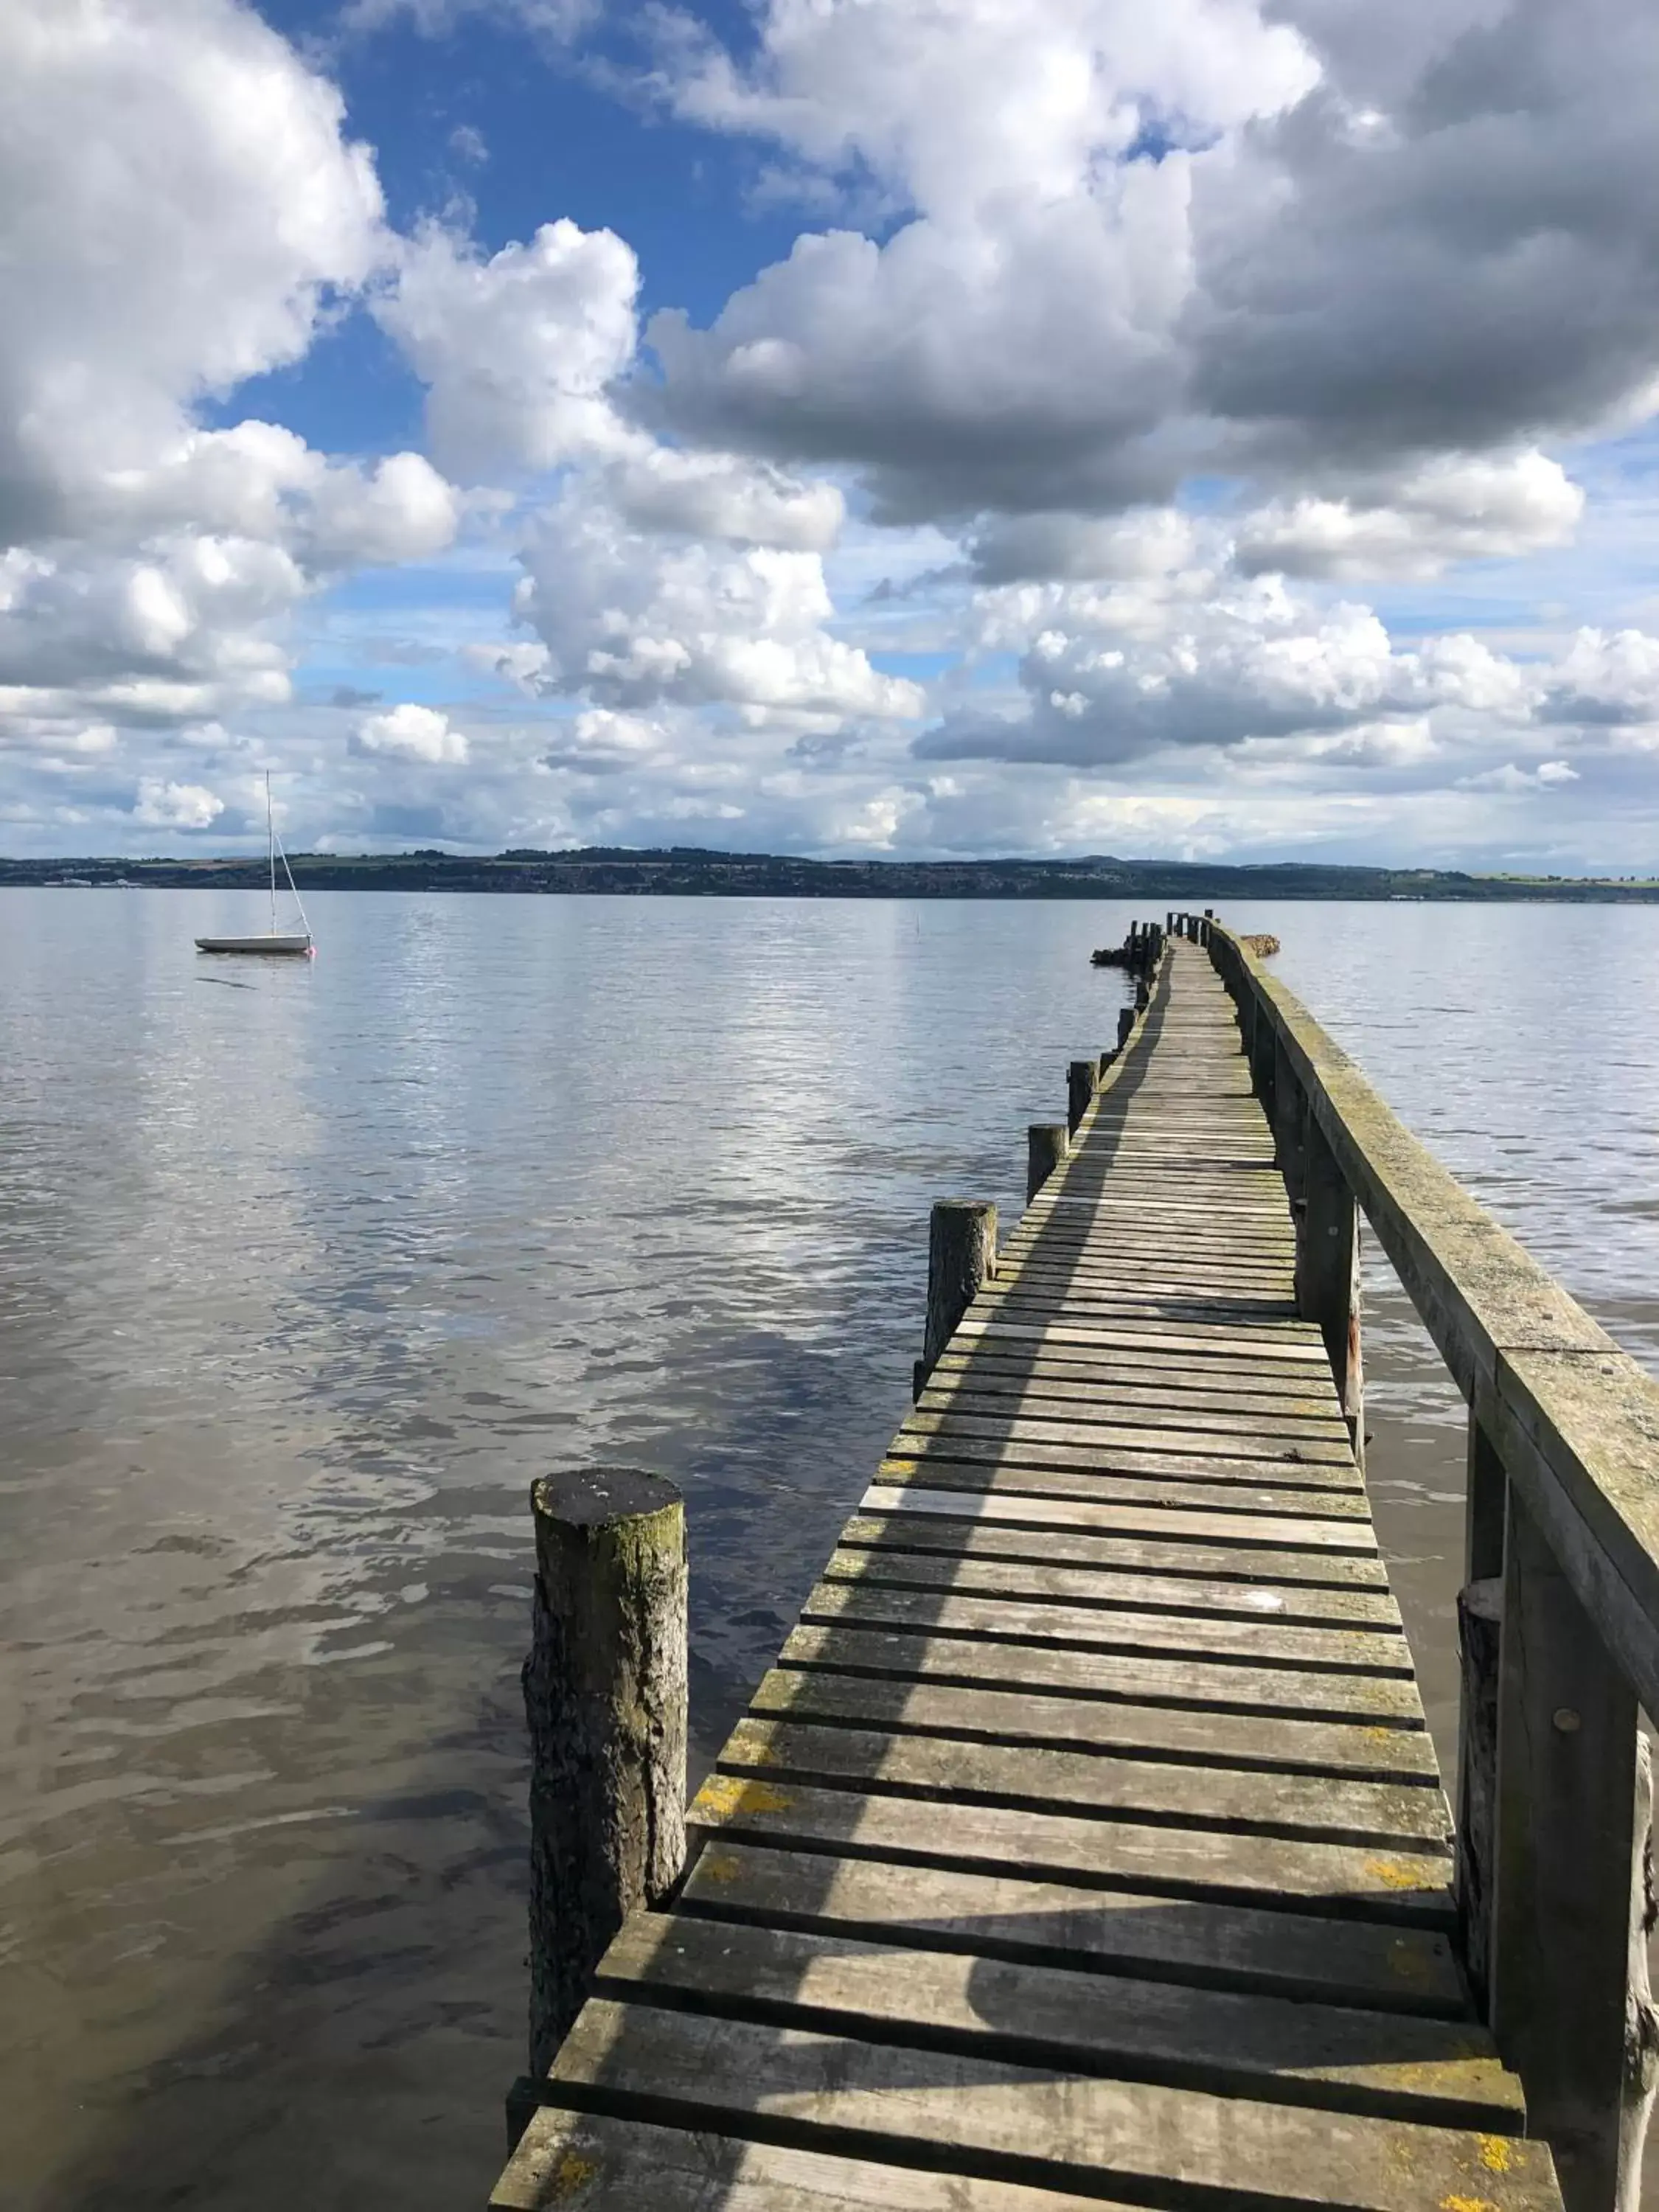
[962, 1258]
[1047, 1143]
[1570, 1872]
[1264, 1061]
[1288, 1114]
[1327, 1273]
[1480, 1619]
[605, 1693]
[1486, 1506]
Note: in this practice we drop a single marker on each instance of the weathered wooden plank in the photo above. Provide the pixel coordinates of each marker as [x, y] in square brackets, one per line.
[1134, 1379]
[1314, 1572]
[1293, 1954]
[1243, 1801]
[571, 2161]
[1215, 1282]
[1093, 1584]
[1176, 1379]
[1268, 1290]
[1177, 1302]
[1291, 1344]
[1441, 2072]
[1321, 1488]
[1120, 1214]
[1382, 1700]
[1165, 1249]
[968, 1394]
[1262, 1643]
[1214, 1489]
[1172, 1733]
[1108, 1253]
[1388, 1883]
[1173, 1243]
[1172, 1248]
[1171, 1369]
[1055, 1509]
[1019, 2124]
[1315, 1446]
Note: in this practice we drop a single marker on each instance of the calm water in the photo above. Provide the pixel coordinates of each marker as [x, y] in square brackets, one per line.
[305, 1272]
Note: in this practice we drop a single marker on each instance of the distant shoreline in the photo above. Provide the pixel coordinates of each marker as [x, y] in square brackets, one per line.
[694, 872]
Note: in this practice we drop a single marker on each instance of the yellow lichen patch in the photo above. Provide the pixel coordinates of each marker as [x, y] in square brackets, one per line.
[1497, 2153]
[1392, 1875]
[1466, 2204]
[573, 2171]
[728, 1797]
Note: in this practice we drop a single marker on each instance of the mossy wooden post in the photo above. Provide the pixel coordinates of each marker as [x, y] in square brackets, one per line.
[1569, 1860]
[962, 1258]
[1047, 1143]
[604, 1692]
[1082, 1081]
[1327, 1273]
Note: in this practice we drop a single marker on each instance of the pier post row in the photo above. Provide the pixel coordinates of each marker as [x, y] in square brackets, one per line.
[1086, 1843]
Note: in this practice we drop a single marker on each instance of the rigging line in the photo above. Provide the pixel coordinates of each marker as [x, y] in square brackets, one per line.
[292, 886]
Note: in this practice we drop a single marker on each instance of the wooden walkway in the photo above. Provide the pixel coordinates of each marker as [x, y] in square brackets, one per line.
[1086, 1843]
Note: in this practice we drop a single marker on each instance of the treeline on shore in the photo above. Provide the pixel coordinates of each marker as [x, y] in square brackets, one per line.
[692, 871]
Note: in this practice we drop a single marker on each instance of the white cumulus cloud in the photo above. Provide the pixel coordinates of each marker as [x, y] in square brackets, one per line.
[517, 350]
[176, 805]
[409, 733]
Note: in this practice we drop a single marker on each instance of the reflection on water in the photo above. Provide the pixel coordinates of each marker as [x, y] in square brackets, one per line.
[301, 1281]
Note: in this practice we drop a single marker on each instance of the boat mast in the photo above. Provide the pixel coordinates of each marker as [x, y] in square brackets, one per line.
[270, 840]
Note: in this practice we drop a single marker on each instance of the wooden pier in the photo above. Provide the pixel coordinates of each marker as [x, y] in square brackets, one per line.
[1086, 1843]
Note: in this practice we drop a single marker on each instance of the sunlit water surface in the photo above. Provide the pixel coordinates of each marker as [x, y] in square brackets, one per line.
[306, 1271]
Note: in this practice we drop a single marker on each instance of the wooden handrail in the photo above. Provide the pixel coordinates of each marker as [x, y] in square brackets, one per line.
[1559, 1614]
[1574, 1419]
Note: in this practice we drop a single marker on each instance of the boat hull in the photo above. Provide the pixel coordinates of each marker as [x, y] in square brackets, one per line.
[288, 948]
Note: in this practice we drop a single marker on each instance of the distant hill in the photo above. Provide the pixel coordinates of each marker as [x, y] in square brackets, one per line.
[688, 871]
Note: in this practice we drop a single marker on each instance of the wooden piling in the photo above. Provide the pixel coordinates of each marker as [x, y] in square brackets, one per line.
[1126, 1021]
[962, 1258]
[1047, 1143]
[1082, 1081]
[604, 1692]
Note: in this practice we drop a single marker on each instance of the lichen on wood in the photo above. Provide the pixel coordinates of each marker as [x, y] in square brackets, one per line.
[604, 1692]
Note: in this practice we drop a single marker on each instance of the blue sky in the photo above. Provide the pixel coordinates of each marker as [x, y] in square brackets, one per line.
[864, 427]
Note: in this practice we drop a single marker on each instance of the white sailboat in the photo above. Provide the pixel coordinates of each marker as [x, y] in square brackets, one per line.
[293, 943]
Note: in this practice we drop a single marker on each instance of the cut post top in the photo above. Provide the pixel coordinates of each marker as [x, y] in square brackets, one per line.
[599, 1497]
